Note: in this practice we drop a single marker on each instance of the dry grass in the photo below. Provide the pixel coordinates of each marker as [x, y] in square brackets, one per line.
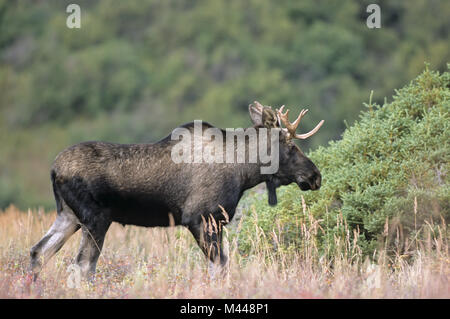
[166, 263]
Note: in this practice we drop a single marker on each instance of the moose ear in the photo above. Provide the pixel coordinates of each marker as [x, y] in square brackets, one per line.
[263, 115]
[269, 118]
[256, 110]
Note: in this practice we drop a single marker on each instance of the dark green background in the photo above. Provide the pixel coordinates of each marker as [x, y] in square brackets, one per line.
[137, 69]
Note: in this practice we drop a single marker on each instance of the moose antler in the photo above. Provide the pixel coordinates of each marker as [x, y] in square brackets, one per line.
[292, 127]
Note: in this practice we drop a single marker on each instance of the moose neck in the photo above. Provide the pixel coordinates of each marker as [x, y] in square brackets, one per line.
[251, 176]
[254, 173]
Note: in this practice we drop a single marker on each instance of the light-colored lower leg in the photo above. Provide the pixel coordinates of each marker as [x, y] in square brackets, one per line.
[65, 225]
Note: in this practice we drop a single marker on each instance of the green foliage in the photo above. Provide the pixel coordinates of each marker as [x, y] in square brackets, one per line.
[136, 69]
[391, 165]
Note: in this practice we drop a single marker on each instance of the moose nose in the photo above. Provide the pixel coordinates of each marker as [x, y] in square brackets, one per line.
[316, 181]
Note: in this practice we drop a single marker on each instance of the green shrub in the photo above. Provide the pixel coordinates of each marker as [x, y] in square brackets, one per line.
[385, 177]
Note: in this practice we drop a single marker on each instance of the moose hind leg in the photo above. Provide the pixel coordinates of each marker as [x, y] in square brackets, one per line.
[90, 247]
[65, 225]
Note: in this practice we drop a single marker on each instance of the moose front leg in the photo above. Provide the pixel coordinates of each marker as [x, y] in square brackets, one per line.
[208, 235]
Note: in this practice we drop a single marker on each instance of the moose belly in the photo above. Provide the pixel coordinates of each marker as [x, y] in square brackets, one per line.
[141, 210]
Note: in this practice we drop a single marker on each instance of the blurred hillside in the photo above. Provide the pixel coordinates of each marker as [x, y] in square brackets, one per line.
[136, 69]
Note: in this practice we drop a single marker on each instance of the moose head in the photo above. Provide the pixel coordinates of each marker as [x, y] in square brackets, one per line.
[294, 165]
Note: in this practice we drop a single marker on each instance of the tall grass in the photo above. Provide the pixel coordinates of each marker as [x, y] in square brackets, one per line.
[166, 263]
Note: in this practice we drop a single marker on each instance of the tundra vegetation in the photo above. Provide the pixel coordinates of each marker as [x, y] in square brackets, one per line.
[378, 228]
[385, 180]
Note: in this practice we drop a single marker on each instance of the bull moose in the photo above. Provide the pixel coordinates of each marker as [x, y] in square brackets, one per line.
[97, 183]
